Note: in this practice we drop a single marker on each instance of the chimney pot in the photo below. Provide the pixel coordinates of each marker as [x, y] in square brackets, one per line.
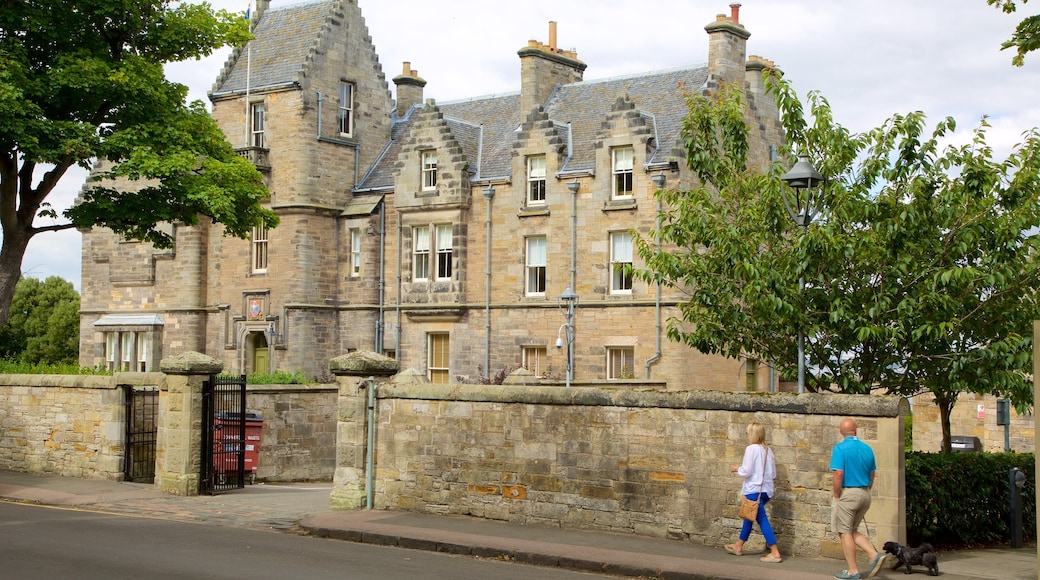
[552, 35]
[734, 9]
[407, 68]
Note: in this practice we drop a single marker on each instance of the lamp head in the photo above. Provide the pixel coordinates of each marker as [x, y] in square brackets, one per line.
[559, 342]
[803, 175]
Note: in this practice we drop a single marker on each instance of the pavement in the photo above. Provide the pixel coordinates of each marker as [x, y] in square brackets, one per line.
[304, 509]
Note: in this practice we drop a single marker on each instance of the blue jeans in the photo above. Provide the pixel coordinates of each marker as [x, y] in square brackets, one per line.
[762, 519]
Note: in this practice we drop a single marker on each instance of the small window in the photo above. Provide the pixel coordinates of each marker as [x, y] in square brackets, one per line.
[622, 169]
[536, 180]
[259, 118]
[346, 109]
[444, 252]
[620, 363]
[535, 272]
[621, 263]
[355, 252]
[533, 359]
[429, 170]
[259, 254]
[421, 240]
[437, 370]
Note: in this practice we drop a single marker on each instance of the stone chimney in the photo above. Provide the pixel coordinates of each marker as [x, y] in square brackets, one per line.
[409, 89]
[727, 48]
[542, 68]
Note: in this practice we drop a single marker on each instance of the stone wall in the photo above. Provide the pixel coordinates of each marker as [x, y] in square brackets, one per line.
[75, 426]
[973, 416]
[298, 440]
[649, 462]
[62, 425]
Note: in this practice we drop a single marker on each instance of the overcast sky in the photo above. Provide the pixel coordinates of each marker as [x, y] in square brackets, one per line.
[870, 59]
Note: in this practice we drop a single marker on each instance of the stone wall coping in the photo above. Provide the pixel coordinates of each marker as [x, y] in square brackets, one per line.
[363, 363]
[804, 403]
[191, 363]
[66, 381]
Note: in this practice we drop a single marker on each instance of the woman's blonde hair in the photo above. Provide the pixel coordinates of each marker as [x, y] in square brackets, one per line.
[756, 433]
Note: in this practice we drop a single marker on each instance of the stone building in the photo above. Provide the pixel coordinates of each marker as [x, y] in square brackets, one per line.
[442, 234]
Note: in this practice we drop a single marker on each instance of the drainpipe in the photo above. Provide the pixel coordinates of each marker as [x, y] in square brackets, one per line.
[400, 282]
[380, 326]
[369, 451]
[489, 193]
[658, 180]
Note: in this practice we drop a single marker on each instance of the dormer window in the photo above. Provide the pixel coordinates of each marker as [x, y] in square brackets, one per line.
[258, 114]
[536, 180]
[429, 170]
[346, 109]
[621, 164]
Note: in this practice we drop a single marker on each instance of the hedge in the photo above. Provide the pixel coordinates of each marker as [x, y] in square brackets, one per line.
[956, 500]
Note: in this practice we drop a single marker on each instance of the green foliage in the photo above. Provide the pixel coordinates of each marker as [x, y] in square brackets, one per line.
[956, 500]
[12, 367]
[84, 81]
[278, 377]
[920, 272]
[1026, 38]
[43, 326]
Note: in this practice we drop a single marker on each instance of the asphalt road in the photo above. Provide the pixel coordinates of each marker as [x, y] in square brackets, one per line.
[53, 543]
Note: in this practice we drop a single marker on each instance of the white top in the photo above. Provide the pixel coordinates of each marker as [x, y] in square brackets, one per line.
[755, 480]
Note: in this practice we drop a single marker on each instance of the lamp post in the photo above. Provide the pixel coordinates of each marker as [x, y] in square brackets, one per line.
[568, 301]
[802, 209]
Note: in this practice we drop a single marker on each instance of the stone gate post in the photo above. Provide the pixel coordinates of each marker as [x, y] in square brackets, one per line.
[356, 374]
[179, 446]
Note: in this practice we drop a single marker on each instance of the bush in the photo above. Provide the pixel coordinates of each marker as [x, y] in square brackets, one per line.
[15, 367]
[278, 377]
[956, 500]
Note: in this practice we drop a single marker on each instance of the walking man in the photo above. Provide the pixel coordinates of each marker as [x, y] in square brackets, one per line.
[853, 467]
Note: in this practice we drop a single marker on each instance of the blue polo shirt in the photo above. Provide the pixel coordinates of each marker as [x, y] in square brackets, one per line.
[856, 460]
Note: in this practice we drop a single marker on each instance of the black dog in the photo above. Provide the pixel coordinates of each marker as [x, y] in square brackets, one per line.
[923, 555]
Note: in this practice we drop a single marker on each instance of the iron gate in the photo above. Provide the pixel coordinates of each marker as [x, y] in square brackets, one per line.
[142, 411]
[223, 434]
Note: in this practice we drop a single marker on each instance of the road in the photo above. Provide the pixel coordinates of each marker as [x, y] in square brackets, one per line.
[46, 542]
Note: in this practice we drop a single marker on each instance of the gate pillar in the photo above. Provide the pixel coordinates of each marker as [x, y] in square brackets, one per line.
[356, 374]
[179, 447]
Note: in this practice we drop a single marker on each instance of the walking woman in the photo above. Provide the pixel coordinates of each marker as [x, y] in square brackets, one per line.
[758, 471]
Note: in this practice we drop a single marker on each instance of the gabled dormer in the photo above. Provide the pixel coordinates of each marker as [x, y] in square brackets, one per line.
[538, 154]
[431, 170]
[623, 145]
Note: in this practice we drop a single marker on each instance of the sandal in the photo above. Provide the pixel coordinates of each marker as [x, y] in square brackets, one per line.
[771, 559]
[732, 549]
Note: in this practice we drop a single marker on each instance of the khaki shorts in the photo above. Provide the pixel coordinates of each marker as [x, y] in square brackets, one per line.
[848, 512]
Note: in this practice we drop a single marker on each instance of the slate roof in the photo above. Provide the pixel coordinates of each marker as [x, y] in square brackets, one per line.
[486, 127]
[279, 53]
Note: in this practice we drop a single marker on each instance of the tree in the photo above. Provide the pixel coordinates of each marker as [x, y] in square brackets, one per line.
[82, 81]
[921, 271]
[1027, 34]
[43, 326]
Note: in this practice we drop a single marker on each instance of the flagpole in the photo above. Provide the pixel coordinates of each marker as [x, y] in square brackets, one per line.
[249, 64]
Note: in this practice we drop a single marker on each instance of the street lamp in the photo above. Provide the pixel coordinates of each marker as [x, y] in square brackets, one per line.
[802, 209]
[567, 301]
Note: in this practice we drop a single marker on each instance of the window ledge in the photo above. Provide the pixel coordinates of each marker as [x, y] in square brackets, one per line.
[532, 210]
[620, 204]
